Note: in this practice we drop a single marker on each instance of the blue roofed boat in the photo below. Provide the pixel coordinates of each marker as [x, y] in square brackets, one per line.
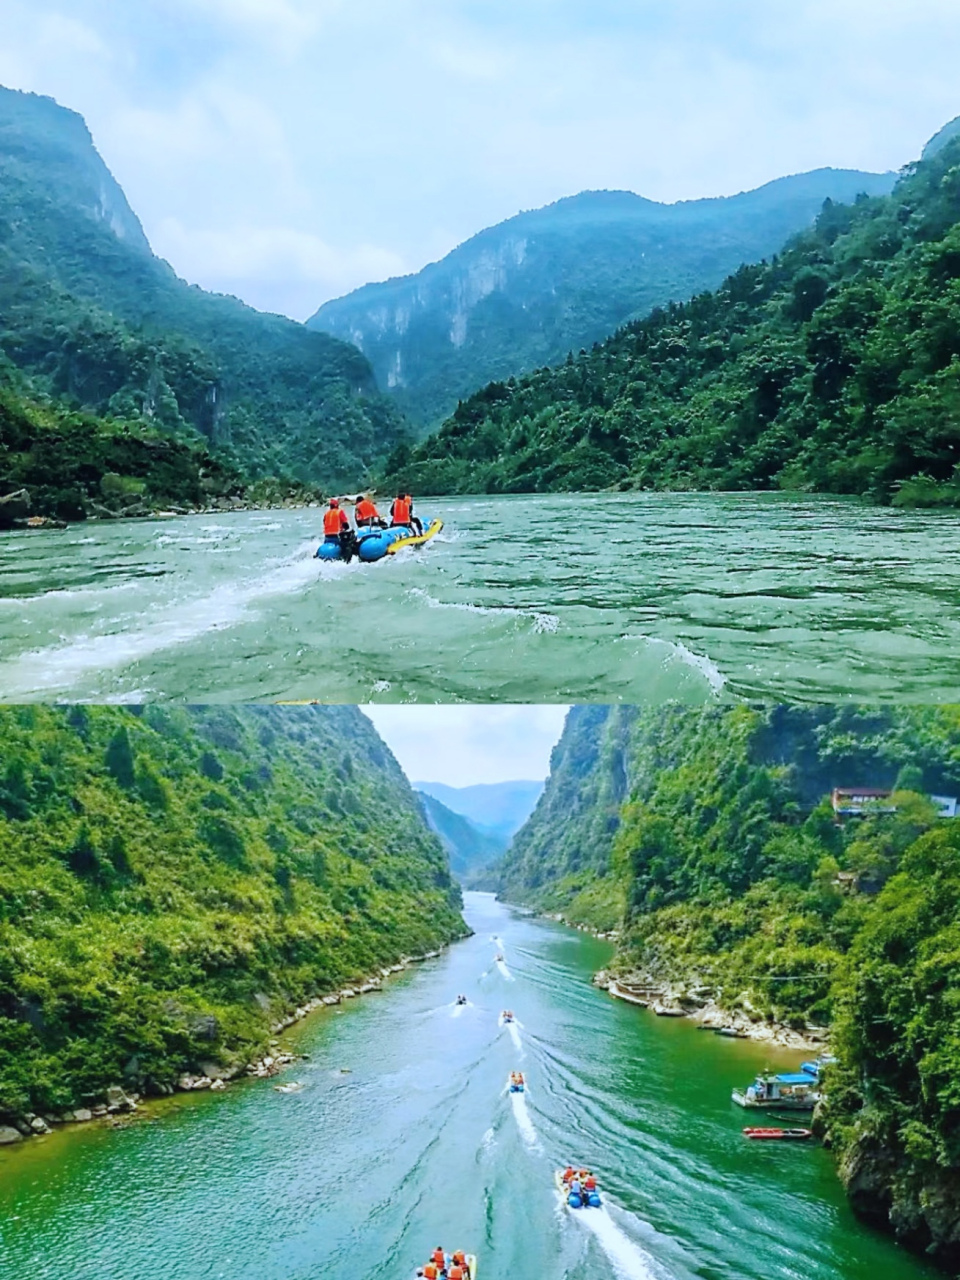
[786, 1091]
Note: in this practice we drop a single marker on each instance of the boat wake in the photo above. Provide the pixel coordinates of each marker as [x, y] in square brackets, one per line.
[626, 1257]
[514, 1030]
[524, 1123]
[505, 972]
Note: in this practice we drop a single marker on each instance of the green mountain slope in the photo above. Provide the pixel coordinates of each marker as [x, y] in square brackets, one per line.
[93, 317]
[173, 880]
[499, 808]
[470, 848]
[522, 294]
[834, 367]
[708, 837]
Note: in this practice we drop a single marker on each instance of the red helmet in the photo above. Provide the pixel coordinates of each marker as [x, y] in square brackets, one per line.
[334, 502]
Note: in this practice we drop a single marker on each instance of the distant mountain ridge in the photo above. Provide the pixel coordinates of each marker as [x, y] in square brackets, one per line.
[522, 294]
[470, 848]
[97, 322]
[497, 809]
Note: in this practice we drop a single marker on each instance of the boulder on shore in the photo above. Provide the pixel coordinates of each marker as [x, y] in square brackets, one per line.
[9, 1135]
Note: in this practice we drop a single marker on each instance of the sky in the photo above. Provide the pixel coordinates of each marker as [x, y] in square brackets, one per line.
[290, 150]
[463, 744]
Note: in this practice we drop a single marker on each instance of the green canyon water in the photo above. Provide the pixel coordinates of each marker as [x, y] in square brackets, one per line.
[639, 597]
[403, 1137]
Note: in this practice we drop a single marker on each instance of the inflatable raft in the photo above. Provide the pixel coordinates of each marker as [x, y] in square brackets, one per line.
[516, 1082]
[589, 1200]
[471, 1260]
[374, 544]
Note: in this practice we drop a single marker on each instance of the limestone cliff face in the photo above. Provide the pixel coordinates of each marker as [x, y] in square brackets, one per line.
[32, 128]
[522, 294]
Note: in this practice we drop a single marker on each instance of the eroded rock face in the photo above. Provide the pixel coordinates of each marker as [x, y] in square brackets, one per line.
[918, 1202]
[14, 506]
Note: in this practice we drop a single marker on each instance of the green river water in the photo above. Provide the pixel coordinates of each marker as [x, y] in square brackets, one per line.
[360, 1175]
[640, 597]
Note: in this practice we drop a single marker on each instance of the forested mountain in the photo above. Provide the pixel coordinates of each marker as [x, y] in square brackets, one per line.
[172, 880]
[833, 367]
[524, 293]
[96, 321]
[470, 848]
[709, 838]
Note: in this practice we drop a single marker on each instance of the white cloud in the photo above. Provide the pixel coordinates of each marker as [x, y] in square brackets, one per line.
[464, 744]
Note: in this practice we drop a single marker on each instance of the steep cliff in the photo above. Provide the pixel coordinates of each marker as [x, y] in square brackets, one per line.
[524, 293]
[98, 322]
[172, 881]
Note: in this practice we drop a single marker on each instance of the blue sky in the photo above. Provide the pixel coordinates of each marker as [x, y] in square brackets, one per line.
[289, 150]
[462, 744]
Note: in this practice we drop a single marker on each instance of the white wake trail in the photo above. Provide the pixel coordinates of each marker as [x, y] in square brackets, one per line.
[628, 1259]
[522, 1116]
[515, 1037]
[501, 965]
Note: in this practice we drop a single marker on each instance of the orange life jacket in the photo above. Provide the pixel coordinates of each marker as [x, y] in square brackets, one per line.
[438, 1258]
[334, 519]
[400, 511]
[459, 1258]
[366, 510]
[590, 1184]
[455, 1272]
[430, 1271]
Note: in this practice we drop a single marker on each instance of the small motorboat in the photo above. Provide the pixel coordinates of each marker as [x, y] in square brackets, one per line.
[587, 1198]
[516, 1082]
[507, 1016]
[461, 999]
[375, 543]
[498, 958]
[783, 1135]
[294, 1086]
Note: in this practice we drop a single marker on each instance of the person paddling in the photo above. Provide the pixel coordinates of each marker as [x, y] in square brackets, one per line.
[415, 522]
[336, 527]
[366, 514]
[400, 510]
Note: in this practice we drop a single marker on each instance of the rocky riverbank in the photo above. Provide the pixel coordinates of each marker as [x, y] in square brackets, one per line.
[118, 1101]
[699, 1004]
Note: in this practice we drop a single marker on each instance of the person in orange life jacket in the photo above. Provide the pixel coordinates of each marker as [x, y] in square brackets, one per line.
[336, 528]
[431, 1271]
[400, 510]
[439, 1258]
[459, 1260]
[415, 521]
[455, 1272]
[366, 514]
[589, 1183]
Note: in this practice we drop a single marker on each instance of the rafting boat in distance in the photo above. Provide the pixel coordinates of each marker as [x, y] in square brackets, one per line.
[469, 1258]
[507, 1016]
[588, 1199]
[788, 1135]
[516, 1083]
[373, 543]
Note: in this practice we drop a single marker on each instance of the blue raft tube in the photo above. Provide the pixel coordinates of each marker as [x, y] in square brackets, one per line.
[372, 543]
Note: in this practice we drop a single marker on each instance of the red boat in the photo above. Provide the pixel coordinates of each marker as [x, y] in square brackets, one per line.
[795, 1135]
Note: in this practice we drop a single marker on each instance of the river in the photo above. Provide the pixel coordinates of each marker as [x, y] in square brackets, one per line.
[639, 597]
[403, 1137]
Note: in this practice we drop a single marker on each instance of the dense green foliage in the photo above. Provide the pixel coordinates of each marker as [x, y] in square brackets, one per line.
[171, 880]
[97, 321]
[729, 872]
[73, 464]
[834, 367]
[525, 292]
